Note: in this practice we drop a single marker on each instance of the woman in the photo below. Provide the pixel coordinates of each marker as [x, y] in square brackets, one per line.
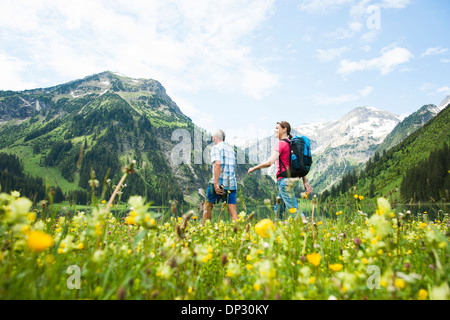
[282, 152]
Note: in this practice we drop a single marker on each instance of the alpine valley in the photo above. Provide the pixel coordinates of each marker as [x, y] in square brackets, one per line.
[75, 136]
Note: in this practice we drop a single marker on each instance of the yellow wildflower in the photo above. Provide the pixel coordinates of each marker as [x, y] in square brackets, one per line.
[314, 258]
[399, 283]
[361, 198]
[39, 241]
[264, 228]
[130, 218]
[423, 294]
[293, 210]
[25, 229]
[31, 217]
[336, 266]
[206, 258]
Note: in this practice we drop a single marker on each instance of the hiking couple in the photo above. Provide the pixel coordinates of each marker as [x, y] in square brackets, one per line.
[223, 182]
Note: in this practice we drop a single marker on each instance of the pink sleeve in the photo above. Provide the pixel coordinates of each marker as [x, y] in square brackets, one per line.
[277, 146]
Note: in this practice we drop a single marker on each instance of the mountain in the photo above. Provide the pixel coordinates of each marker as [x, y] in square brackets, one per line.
[409, 125]
[101, 123]
[338, 146]
[346, 143]
[423, 159]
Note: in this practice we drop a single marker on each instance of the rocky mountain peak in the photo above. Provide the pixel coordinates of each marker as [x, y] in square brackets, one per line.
[139, 93]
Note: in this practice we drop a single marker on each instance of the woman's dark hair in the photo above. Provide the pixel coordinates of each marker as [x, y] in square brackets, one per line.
[287, 126]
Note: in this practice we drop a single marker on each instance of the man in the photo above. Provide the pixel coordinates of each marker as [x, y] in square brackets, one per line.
[223, 182]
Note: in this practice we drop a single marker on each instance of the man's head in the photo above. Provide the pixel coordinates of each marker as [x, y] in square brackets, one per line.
[218, 136]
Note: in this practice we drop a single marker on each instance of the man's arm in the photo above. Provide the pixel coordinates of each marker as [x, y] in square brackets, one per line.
[217, 168]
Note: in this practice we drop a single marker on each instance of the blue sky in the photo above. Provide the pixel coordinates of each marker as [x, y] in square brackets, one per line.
[239, 65]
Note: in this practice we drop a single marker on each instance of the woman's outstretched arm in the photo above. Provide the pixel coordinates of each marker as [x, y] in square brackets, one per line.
[274, 156]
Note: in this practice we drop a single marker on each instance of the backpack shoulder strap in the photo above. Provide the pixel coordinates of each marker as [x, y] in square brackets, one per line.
[279, 157]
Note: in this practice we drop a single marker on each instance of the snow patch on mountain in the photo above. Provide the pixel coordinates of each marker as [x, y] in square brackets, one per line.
[444, 103]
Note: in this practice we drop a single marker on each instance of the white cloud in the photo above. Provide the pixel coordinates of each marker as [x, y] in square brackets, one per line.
[321, 6]
[256, 82]
[11, 69]
[434, 51]
[307, 38]
[366, 91]
[390, 58]
[426, 86]
[396, 4]
[352, 29]
[355, 26]
[331, 54]
[444, 90]
[358, 10]
[361, 7]
[341, 33]
[370, 36]
[187, 45]
[358, 7]
[207, 120]
[406, 69]
[445, 60]
[344, 98]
